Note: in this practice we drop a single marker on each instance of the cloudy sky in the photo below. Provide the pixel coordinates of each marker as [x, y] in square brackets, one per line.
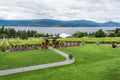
[95, 10]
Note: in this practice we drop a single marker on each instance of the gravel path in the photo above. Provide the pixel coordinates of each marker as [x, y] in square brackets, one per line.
[42, 66]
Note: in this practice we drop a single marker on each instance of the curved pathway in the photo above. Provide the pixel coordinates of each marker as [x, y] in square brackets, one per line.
[42, 66]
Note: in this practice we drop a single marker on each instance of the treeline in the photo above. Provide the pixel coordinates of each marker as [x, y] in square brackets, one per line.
[23, 34]
[99, 33]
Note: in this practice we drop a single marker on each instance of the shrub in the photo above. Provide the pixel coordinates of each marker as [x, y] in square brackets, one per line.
[24, 36]
[83, 43]
[3, 47]
[97, 43]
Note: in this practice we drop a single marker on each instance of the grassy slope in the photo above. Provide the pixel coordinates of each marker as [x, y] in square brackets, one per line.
[92, 63]
[17, 59]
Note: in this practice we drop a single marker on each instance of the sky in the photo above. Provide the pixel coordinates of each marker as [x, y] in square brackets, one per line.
[95, 10]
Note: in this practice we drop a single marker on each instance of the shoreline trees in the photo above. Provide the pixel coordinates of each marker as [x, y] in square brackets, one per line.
[25, 34]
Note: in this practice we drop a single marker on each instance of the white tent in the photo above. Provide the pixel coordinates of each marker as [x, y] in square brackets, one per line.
[64, 35]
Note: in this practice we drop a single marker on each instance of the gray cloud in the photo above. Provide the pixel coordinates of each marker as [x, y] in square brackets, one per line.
[97, 10]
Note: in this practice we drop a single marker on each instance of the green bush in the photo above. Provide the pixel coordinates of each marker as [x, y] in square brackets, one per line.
[3, 47]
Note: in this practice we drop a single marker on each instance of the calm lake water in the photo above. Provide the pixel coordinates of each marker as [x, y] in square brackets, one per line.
[68, 30]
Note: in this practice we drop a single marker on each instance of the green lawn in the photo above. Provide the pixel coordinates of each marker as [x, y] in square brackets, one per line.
[17, 59]
[92, 63]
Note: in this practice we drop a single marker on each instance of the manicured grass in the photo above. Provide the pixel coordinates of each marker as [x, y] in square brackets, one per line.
[17, 59]
[92, 63]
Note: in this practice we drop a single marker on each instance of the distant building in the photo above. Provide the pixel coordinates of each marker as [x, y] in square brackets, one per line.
[64, 35]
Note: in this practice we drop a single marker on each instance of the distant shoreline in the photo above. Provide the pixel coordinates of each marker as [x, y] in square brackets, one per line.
[59, 30]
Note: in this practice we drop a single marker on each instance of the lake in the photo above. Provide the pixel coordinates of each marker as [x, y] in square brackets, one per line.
[56, 30]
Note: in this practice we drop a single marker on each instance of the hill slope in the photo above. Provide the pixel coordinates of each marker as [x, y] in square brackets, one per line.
[57, 23]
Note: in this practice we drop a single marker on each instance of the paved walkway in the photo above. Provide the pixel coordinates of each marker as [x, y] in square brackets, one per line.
[42, 66]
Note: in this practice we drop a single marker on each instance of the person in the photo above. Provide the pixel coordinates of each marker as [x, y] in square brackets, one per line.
[114, 45]
[70, 56]
[54, 41]
[57, 45]
[42, 46]
[47, 42]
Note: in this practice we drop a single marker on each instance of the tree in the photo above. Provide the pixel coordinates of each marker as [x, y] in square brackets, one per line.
[2, 29]
[111, 35]
[36, 35]
[118, 34]
[92, 34]
[100, 33]
[41, 34]
[12, 32]
[32, 32]
[80, 34]
[47, 35]
[117, 30]
[29, 33]
[24, 35]
[6, 31]
[19, 33]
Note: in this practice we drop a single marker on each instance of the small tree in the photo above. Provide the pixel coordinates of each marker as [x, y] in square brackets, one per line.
[47, 35]
[3, 47]
[92, 34]
[80, 34]
[118, 34]
[111, 35]
[100, 33]
[24, 35]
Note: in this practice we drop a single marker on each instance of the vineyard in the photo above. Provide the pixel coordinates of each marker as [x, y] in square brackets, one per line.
[38, 41]
[107, 40]
[19, 42]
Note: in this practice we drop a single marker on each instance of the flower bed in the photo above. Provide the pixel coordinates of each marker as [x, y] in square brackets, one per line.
[23, 48]
[70, 44]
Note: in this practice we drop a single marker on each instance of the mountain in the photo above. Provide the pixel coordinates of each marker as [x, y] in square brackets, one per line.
[110, 23]
[57, 23]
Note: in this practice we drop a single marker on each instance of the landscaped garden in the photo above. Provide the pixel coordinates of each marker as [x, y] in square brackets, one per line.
[92, 62]
[37, 41]
[59, 39]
